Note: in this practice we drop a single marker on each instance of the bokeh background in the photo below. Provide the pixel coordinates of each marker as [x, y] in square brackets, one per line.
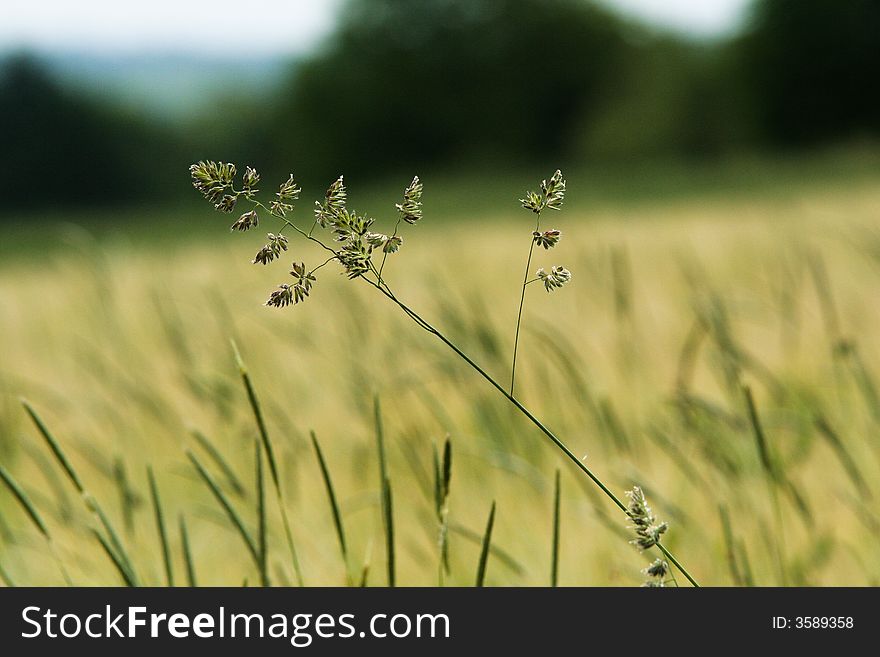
[723, 166]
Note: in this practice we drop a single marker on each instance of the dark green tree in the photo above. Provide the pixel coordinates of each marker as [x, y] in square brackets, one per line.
[406, 82]
[812, 67]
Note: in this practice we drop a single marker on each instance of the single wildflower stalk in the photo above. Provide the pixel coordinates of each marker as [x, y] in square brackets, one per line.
[551, 196]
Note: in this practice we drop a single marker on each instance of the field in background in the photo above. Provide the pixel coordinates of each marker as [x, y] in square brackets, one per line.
[123, 347]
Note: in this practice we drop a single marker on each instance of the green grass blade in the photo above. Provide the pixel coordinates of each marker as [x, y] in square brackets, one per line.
[484, 549]
[23, 501]
[270, 456]
[120, 566]
[127, 498]
[443, 473]
[760, 439]
[438, 481]
[258, 415]
[746, 566]
[386, 496]
[227, 508]
[388, 517]
[380, 440]
[262, 543]
[90, 501]
[501, 555]
[846, 460]
[365, 571]
[447, 467]
[115, 541]
[160, 527]
[215, 455]
[5, 578]
[187, 554]
[54, 446]
[773, 481]
[554, 559]
[331, 494]
[730, 546]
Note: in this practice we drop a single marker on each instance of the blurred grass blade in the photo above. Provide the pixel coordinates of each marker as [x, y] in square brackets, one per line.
[846, 460]
[160, 527]
[5, 578]
[270, 456]
[258, 414]
[54, 446]
[115, 541]
[262, 543]
[388, 517]
[444, 508]
[334, 506]
[554, 567]
[385, 488]
[760, 439]
[501, 555]
[227, 507]
[484, 550]
[23, 501]
[773, 481]
[215, 455]
[187, 553]
[730, 546]
[120, 566]
[365, 571]
[90, 501]
[127, 498]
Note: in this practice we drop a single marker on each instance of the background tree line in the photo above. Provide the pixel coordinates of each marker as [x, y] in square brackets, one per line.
[444, 83]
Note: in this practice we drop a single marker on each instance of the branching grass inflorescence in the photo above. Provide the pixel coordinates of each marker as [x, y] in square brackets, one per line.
[353, 243]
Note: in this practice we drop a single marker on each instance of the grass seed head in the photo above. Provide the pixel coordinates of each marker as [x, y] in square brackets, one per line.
[246, 221]
[555, 278]
[411, 208]
[644, 523]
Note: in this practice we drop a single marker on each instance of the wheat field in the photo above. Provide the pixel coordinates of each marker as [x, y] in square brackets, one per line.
[122, 347]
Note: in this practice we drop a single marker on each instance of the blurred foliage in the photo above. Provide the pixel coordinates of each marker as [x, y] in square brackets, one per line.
[812, 69]
[455, 84]
[411, 81]
[64, 150]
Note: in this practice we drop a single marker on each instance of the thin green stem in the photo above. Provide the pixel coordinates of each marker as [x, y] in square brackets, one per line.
[385, 254]
[522, 301]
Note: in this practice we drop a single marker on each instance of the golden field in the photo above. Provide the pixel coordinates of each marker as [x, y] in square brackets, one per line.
[123, 348]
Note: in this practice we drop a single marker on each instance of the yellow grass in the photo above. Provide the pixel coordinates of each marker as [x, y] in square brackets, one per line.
[124, 348]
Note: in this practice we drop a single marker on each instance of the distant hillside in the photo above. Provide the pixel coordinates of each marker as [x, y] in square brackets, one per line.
[173, 86]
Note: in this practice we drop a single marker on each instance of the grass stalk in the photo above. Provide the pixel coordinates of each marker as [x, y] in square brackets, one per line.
[227, 508]
[270, 455]
[187, 553]
[119, 553]
[522, 302]
[385, 492]
[215, 455]
[160, 527]
[334, 506]
[484, 548]
[773, 481]
[554, 553]
[28, 507]
[118, 563]
[262, 542]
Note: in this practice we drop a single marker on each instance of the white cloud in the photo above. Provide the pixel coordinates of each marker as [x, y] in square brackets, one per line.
[204, 26]
[703, 17]
[243, 27]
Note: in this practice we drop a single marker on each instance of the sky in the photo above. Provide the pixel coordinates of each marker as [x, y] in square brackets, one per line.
[251, 28]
